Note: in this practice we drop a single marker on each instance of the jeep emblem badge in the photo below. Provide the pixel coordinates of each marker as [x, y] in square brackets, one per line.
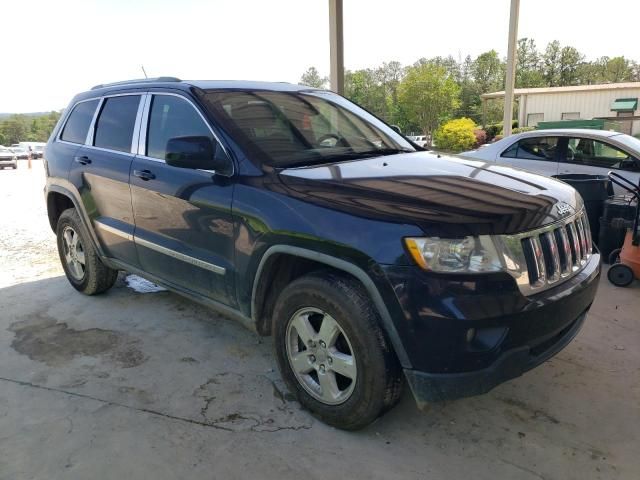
[563, 208]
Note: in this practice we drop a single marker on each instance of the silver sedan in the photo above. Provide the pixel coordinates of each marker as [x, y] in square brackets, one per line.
[553, 152]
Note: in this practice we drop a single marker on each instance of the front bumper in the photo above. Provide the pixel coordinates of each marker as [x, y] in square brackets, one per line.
[465, 335]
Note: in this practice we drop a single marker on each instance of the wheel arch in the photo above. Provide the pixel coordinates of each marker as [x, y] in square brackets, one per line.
[267, 271]
[58, 200]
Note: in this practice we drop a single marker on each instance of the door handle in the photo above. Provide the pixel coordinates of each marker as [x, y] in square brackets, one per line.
[144, 174]
[83, 160]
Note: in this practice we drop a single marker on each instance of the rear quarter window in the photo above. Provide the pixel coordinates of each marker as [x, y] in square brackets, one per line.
[77, 126]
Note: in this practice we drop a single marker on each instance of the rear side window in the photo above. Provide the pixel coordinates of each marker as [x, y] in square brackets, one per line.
[172, 117]
[538, 148]
[77, 126]
[114, 128]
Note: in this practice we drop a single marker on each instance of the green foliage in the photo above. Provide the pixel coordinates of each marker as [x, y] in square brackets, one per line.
[311, 78]
[456, 135]
[428, 95]
[26, 128]
[522, 129]
[420, 97]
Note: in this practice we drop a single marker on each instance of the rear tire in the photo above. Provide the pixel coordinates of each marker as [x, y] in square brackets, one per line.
[350, 355]
[620, 275]
[80, 261]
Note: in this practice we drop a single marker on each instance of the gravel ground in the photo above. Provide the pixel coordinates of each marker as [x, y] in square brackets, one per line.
[149, 385]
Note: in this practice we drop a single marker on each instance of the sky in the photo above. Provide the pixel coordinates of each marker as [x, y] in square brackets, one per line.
[54, 49]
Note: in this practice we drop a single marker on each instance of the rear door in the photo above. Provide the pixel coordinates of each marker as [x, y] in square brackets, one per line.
[536, 154]
[184, 227]
[100, 172]
[598, 157]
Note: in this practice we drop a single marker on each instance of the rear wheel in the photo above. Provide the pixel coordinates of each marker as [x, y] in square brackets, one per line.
[620, 275]
[332, 352]
[81, 263]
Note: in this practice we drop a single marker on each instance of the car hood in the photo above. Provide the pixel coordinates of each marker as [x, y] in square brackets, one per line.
[443, 195]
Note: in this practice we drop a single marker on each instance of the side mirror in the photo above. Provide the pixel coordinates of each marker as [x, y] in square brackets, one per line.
[197, 153]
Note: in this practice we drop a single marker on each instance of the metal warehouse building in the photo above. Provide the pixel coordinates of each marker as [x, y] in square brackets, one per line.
[612, 101]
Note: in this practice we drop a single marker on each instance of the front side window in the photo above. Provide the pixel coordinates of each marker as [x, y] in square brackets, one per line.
[114, 128]
[285, 129]
[536, 148]
[586, 151]
[172, 117]
[77, 126]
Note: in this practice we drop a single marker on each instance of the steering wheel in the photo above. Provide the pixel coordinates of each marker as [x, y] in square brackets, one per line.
[323, 141]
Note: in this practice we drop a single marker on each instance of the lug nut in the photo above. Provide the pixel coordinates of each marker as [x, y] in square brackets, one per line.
[330, 360]
[322, 344]
[322, 369]
[312, 358]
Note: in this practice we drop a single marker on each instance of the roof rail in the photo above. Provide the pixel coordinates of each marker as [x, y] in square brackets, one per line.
[137, 80]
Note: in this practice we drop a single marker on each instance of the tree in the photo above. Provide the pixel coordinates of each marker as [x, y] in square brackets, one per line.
[570, 59]
[363, 88]
[551, 64]
[428, 95]
[528, 72]
[312, 78]
[489, 72]
[24, 128]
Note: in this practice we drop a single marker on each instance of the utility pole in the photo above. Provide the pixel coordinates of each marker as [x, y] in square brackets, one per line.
[510, 80]
[336, 46]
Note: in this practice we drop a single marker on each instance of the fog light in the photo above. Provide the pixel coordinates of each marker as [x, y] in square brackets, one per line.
[471, 334]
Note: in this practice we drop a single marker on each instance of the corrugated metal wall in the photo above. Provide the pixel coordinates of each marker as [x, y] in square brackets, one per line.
[590, 104]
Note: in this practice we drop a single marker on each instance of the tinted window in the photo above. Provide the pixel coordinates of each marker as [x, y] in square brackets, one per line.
[77, 125]
[114, 128]
[172, 117]
[301, 127]
[586, 151]
[537, 148]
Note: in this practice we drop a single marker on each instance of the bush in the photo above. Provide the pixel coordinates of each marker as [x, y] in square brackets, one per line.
[456, 135]
[496, 129]
[481, 137]
[522, 129]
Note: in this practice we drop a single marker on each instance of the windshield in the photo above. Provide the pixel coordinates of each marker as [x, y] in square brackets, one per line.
[629, 141]
[299, 128]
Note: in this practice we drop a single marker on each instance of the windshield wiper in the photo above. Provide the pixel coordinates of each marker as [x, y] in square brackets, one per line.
[349, 155]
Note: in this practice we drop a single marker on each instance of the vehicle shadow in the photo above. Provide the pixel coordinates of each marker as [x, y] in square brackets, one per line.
[163, 355]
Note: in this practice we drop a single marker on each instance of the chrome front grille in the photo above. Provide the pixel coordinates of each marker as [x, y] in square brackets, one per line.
[542, 258]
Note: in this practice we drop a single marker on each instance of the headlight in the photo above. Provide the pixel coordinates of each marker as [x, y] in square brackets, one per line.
[468, 254]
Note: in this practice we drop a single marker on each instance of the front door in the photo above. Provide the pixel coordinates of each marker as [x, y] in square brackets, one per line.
[100, 172]
[184, 227]
[595, 157]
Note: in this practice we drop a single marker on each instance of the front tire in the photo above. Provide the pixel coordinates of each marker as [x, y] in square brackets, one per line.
[80, 261]
[332, 352]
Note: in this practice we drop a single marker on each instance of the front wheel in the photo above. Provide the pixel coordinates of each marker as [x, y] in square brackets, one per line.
[332, 352]
[80, 261]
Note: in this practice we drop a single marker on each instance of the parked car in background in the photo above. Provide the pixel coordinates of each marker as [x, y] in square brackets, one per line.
[304, 217]
[7, 158]
[38, 151]
[420, 140]
[20, 153]
[561, 151]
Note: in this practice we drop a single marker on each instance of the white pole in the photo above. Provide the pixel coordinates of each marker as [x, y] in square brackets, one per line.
[510, 80]
[336, 46]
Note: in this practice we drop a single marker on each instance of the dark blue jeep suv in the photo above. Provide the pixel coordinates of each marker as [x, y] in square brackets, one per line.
[305, 217]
